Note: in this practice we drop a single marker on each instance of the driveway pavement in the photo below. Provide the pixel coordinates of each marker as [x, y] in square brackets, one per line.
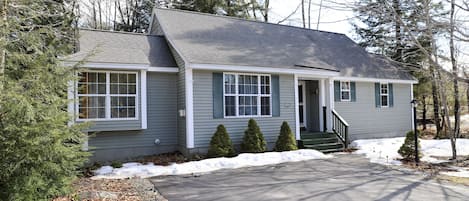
[345, 177]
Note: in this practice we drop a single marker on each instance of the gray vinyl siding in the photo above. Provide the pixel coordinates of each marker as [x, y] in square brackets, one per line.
[119, 125]
[205, 125]
[368, 121]
[162, 125]
[181, 98]
[181, 86]
[156, 27]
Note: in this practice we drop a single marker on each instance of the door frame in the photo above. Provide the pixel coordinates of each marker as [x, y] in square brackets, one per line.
[302, 83]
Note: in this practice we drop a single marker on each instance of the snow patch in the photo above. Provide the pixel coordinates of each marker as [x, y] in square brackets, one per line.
[459, 172]
[384, 151]
[243, 160]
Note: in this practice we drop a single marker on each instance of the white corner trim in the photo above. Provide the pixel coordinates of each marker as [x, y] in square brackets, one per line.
[297, 108]
[331, 104]
[84, 146]
[258, 69]
[143, 98]
[189, 109]
[360, 79]
[71, 101]
[322, 103]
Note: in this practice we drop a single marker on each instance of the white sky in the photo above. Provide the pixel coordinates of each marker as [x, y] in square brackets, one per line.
[334, 20]
[337, 17]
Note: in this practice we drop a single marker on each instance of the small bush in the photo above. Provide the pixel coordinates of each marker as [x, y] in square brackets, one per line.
[221, 145]
[407, 150]
[285, 141]
[253, 140]
[116, 164]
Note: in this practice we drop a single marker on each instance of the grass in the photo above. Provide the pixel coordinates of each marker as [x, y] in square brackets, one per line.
[457, 180]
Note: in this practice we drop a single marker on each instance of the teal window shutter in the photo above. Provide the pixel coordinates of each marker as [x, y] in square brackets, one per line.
[353, 92]
[391, 96]
[336, 91]
[275, 95]
[217, 93]
[377, 95]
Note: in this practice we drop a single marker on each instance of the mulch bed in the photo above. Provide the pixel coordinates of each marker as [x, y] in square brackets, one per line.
[136, 189]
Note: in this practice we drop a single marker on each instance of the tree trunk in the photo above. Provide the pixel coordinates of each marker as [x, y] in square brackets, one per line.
[436, 103]
[100, 15]
[266, 10]
[95, 20]
[455, 132]
[303, 12]
[3, 35]
[424, 113]
[466, 75]
[397, 26]
[309, 14]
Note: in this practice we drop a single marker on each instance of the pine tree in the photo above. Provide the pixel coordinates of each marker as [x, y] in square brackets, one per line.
[407, 150]
[40, 153]
[285, 141]
[221, 145]
[253, 140]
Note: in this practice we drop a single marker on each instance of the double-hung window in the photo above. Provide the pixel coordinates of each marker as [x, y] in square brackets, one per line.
[345, 91]
[107, 95]
[247, 95]
[384, 95]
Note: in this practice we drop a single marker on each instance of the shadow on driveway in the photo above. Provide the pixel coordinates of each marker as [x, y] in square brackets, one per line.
[346, 177]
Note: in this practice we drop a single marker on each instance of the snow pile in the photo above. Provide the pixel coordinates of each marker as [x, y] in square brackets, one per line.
[384, 151]
[207, 165]
[460, 172]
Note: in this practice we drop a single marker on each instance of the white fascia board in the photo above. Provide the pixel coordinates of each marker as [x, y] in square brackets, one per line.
[124, 66]
[259, 69]
[360, 79]
[105, 65]
[163, 69]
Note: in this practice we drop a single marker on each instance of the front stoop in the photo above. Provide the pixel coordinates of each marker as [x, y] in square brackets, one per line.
[321, 141]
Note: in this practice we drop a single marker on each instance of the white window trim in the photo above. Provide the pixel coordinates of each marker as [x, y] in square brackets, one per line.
[349, 90]
[383, 94]
[108, 97]
[237, 95]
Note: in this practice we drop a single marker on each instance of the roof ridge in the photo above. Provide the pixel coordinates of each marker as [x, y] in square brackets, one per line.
[118, 32]
[246, 20]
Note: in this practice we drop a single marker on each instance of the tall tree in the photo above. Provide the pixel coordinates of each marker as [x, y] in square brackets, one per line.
[40, 153]
[383, 33]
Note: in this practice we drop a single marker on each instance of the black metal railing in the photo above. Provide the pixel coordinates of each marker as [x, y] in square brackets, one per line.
[340, 127]
[324, 118]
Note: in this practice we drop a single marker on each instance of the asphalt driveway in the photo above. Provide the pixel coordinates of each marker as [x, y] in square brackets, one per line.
[345, 177]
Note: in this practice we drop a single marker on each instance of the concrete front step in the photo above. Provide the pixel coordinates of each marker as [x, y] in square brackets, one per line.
[325, 146]
[317, 136]
[320, 140]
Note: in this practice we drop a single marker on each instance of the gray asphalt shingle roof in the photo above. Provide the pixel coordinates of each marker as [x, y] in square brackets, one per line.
[210, 39]
[121, 47]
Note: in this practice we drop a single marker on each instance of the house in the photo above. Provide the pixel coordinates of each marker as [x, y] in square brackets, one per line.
[169, 89]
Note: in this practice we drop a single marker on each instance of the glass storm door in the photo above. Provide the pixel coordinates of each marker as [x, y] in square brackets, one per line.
[301, 103]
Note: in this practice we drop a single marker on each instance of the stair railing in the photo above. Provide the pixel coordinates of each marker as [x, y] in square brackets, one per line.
[340, 127]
